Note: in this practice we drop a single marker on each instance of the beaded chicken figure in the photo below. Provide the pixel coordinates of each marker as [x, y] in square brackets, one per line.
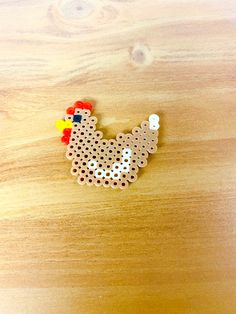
[98, 161]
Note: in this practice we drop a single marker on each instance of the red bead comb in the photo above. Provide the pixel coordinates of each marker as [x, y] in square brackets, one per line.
[83, 105]
[70, 110]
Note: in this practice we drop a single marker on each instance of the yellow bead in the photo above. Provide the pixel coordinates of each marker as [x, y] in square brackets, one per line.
[60, 125]
[68, 124]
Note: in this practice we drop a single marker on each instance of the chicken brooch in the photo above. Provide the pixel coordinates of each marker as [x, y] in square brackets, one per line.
[101, 162]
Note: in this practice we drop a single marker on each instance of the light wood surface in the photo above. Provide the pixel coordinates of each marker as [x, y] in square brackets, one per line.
[168, 243]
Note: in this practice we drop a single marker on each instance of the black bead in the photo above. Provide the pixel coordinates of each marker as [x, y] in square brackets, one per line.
[77, 118]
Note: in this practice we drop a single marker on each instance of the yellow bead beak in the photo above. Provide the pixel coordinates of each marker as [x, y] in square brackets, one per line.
[61, 124]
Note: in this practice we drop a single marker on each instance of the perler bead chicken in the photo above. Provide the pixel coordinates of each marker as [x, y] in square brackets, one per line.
[98, 161]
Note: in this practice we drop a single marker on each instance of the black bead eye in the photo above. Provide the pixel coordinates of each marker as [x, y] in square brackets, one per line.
[77, 118]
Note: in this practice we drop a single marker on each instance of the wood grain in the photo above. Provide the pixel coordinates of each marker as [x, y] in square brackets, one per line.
[168, 243]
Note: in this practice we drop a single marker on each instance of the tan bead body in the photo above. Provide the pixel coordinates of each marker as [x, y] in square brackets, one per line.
[109, 163]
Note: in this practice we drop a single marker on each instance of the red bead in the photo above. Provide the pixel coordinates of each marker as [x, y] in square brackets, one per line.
[79, 104]
[70, 110]
[65, 139]
[67, 132]
[88, 105]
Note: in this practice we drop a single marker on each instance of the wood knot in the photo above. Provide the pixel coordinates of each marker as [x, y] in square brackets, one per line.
[141, 55]
[82, 15]
[76, 9]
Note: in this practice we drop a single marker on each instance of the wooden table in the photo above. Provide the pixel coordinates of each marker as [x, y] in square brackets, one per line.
[168, 243]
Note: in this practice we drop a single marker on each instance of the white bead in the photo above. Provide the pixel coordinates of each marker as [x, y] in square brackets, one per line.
[99, 173]
[115, 175]
[154, 122]
[126, 152]
[125, 167]
[92, 164]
